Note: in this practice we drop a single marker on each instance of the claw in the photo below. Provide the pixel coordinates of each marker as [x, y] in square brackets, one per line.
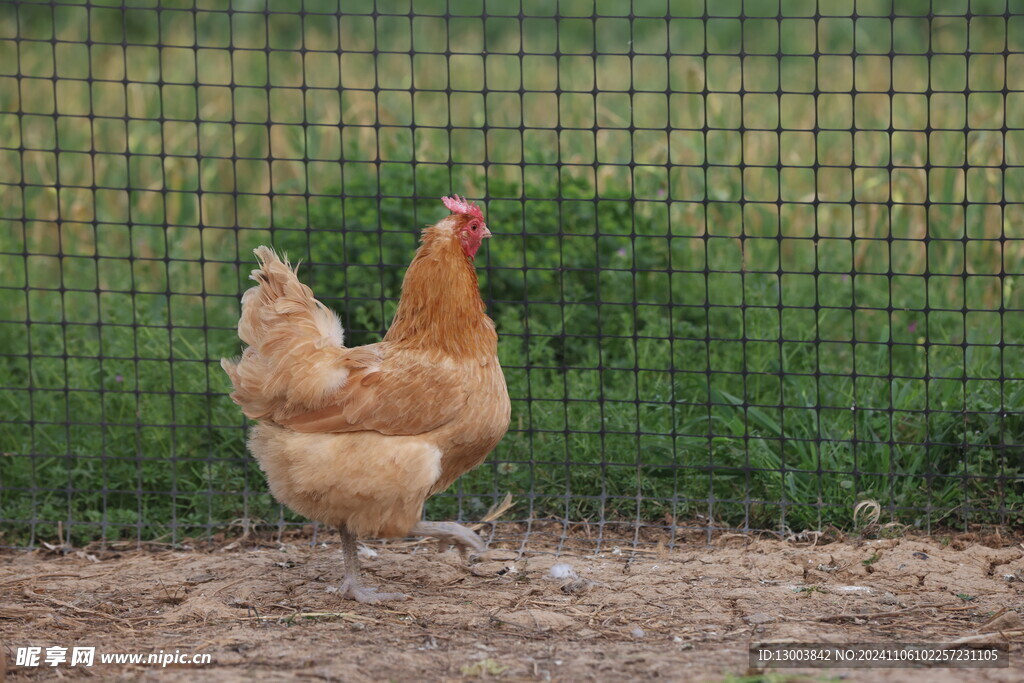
[451, 534]
[350, 589]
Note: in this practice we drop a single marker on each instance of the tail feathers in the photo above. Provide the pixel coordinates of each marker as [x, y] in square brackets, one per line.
[295, 358]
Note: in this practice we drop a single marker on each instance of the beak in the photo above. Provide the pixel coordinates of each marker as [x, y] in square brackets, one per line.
[486, 233]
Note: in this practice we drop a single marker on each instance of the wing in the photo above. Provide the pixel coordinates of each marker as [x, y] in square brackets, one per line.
[402, 394]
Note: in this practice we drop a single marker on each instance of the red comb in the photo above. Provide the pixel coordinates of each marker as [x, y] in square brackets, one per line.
[457, 204]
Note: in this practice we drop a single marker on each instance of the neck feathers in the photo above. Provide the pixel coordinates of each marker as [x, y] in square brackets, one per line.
[441, 308]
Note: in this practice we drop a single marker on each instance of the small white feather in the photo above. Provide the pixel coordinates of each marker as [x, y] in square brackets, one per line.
[562, 570]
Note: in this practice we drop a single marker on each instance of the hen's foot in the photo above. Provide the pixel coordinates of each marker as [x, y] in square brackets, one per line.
[351, 589]
[450, 533]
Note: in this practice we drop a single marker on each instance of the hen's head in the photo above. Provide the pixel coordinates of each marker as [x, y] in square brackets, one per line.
[467, 224]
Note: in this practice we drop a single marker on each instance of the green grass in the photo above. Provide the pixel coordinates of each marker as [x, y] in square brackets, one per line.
[660, 367]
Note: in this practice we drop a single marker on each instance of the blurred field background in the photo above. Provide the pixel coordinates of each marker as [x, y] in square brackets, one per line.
[751, 265]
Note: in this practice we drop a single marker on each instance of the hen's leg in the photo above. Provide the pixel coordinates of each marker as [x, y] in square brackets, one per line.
[450, 533]
[350, 587]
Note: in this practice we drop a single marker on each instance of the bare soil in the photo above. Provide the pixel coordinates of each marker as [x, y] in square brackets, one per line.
[266, 611]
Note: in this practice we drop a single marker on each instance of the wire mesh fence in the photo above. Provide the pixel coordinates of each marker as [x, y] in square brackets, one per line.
[754, 262]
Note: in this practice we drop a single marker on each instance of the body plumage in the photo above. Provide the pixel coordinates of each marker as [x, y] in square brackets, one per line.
[359, 438]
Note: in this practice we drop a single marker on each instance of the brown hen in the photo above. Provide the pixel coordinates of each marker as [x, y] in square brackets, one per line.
[358, 438]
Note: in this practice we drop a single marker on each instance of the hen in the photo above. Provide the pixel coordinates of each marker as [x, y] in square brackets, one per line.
[358, 438]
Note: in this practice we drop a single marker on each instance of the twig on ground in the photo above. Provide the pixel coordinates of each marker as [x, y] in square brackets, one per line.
[347, 616]
[987, 637]
[872, 615]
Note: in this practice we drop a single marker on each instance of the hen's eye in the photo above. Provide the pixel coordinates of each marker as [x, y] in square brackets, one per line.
[475, 227]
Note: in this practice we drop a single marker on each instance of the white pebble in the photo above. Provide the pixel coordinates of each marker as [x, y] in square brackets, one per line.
[638, 632]
[367, 553]
[562, 570]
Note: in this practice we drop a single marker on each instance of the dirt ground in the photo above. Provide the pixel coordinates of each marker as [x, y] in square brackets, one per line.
[267, 610]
